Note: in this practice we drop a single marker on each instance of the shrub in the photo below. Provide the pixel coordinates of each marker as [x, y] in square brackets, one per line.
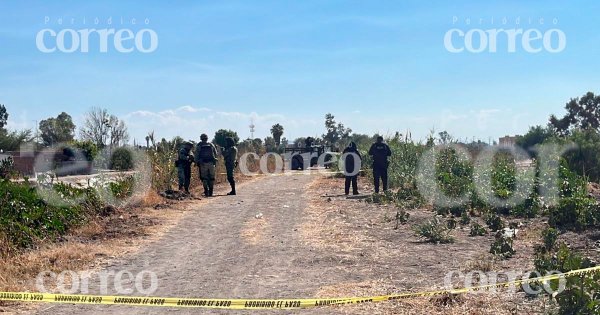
[582, 293]
[528, 209]
[574, 213]
[25, 217]
[549, 236]
[435, 231]
[123, 187]
[451, 224]
[502, 246]
[477, 230]
[401, 218]
[7, 168]
[465, 219]
[121, 160]
[585, 159]
[494, 222]
[456, 211]
[88, 148]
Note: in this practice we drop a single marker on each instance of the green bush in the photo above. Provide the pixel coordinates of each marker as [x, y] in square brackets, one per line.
[88, 148]
[528, 209]
[582, 293]
[549, 237]
[585, 158]
[574, 213]
[435, 231]
[502, 246]
[26, 218]
[7, 168]
[576, 210]
[122, 160]
[465, 219]
[477, 230]
[456, 211]
[122, 188]
[454, 175]
[494, 222]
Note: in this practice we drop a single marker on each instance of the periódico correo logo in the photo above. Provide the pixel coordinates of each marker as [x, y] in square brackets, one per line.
[96, 39]
[530, 39]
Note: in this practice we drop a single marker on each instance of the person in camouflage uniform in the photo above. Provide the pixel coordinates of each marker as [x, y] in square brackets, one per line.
[206, 160]
[184, 167]
[230, 156]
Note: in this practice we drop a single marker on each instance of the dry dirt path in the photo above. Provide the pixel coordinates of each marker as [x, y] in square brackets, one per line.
[222, 250]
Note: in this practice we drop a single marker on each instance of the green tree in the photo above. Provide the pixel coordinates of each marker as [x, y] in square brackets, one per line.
[536, 135]
[277, 132]
[57, 130]
[223, 134]
[335, 131]
[582, 113]
[3, 116]
[11, 141]
[270, 144]
[121, 160]
[445, 137]
[88, 149]
[585, 158]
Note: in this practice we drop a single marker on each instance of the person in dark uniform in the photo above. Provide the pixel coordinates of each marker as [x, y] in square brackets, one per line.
[380, 152]
[352, 168]
[206, 159]
[230, 156]
[184, 167]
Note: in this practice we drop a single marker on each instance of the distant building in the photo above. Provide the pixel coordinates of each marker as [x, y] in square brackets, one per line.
[508, 141]
[58, 160]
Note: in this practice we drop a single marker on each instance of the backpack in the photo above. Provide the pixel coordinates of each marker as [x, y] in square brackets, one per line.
[205, 153]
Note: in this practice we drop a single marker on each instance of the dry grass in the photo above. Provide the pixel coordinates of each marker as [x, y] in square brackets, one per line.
[488, 303]
[397, 261]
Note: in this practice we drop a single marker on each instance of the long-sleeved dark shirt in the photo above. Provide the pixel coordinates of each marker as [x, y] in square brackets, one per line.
[380, 153]
[349, 162]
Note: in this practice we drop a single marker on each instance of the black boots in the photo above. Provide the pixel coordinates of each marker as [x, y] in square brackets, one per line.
[232, 184]
[232, 192]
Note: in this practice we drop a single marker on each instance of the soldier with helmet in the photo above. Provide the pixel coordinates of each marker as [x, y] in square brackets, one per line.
[184, 166]
[206, 160]
[230, 156]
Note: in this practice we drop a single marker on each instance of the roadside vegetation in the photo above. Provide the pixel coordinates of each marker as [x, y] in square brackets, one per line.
[27, 219]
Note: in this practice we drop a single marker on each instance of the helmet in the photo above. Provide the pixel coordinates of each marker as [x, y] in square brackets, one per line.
[203, 137]
[229, 141]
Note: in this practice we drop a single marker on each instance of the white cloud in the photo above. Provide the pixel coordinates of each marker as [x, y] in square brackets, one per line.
[191, 109]
[189, 122]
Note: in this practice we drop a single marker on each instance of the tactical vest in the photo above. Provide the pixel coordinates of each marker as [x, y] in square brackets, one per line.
[206, 153]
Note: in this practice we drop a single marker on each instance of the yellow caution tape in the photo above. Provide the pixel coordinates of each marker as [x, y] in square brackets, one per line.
[259, 303]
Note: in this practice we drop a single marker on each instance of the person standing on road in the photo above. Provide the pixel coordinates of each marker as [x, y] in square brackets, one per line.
[380, 152]
[352, 168]
[230, 157]
[206, 159]
[184, 167]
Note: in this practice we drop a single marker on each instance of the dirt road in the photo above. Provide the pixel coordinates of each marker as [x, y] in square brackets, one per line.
[245, 246]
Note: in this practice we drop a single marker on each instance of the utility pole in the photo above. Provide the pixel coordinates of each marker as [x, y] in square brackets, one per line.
[252, 126]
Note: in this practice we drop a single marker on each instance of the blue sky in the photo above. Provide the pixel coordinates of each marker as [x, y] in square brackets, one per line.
[378, 66]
